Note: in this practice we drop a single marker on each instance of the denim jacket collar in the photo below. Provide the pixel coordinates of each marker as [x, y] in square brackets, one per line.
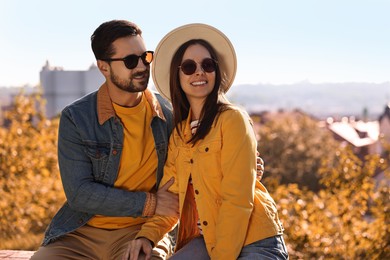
[105, 110]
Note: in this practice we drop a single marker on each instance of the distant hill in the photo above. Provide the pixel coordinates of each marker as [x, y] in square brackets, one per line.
[320, 100]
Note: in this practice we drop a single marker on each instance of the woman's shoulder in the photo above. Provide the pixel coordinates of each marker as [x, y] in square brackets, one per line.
[234, 112]
[234, 116]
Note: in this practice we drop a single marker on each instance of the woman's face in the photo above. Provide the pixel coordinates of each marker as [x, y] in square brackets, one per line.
[200, 83]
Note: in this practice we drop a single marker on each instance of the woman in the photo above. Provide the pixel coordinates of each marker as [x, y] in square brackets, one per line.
[212, 154]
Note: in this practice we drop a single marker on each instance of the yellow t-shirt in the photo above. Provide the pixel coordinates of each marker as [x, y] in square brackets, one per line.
[137, 169]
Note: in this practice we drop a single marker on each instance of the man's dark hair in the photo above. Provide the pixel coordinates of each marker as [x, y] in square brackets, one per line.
[103, 37]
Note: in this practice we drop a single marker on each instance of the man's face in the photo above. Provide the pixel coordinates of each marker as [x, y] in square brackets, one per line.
[130, 80]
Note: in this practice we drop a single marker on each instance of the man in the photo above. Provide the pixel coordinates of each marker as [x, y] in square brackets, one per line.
[112, 146]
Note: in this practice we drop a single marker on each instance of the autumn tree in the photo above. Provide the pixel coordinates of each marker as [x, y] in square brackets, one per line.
[347, 219]
[30, 186]
[293, 146]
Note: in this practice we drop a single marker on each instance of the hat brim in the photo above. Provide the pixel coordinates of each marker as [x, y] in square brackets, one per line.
[167, 47]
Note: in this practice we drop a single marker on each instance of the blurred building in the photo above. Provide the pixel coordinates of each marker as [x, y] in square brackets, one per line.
[361, 135]
[364, 136]
[61, 87]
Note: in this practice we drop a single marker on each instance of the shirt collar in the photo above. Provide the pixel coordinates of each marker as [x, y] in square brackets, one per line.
[105, 110]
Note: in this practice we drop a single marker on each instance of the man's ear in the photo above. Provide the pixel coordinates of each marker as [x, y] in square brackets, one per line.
[103, 67]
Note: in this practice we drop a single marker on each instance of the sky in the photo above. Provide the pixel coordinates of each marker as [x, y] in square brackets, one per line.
[276, 41]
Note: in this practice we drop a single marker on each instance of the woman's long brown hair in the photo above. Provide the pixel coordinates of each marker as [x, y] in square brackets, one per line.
[215, 102]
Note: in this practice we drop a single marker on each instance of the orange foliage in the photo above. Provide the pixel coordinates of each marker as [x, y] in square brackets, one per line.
[30, 187]
[331, 205]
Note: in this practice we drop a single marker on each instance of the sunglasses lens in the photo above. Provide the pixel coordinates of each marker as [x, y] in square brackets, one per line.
[131, 61]
[208, 65]
[147, 57]
[188, 67]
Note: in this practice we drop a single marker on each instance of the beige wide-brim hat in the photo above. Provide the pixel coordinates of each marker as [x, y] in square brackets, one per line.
[167, 47]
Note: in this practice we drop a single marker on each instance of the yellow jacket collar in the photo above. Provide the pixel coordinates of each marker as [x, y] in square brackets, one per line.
[185, 129]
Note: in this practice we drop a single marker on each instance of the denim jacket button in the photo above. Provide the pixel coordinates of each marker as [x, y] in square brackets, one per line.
[114, 152]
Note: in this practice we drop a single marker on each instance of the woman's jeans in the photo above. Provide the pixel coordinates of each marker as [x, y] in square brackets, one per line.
[269, 248]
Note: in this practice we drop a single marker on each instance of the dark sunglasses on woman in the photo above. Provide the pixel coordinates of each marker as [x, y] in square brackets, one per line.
[189, 66]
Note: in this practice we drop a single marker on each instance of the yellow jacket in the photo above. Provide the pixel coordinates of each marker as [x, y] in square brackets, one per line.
[234, 209]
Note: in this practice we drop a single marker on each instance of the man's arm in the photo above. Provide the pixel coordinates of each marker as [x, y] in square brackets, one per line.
[152, 231]
[167, 202]
[157, 226]
[84, 193]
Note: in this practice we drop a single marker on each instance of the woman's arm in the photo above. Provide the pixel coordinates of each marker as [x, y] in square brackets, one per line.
[238, 165]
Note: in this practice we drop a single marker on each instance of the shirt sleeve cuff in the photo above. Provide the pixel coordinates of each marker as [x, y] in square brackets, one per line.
[150, 205]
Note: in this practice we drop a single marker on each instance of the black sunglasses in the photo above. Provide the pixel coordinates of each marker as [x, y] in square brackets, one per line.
[131, 61]
[189, 66]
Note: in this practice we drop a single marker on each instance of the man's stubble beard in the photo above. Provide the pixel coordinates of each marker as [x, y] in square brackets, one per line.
[128, 84]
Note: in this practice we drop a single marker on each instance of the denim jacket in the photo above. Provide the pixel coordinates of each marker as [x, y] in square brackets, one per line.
[90, 144]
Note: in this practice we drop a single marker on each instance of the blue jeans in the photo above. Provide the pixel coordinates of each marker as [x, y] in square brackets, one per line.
[270, 248]
[194, 250]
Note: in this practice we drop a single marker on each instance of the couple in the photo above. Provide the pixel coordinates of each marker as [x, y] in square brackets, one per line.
[113, 150]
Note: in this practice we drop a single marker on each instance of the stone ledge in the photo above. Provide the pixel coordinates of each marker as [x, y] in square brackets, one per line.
[15, 254]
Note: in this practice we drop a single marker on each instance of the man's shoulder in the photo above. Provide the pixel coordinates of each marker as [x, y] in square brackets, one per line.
[161, 99]
[166, 107]
[164, 103]
[83, 102]
[84, 107]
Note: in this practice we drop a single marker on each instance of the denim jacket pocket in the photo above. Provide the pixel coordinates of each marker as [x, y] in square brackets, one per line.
[99, 155]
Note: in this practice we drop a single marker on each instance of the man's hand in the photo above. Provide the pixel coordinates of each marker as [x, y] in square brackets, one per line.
[135, 247]
[167, 202]
[260, 167]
